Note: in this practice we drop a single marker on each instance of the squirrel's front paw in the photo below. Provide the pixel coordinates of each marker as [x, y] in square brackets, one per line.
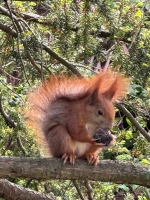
[70, 156]
[95, 143]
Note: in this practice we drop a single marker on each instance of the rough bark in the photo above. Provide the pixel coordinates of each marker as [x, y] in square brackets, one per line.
[53, 168]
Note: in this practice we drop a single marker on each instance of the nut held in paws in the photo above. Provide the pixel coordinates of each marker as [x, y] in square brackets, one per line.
[103, 136]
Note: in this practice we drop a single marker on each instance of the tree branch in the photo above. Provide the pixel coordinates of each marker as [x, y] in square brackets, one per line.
[62, 61]
[11, 191]
[89, 189]
[45, 168]
[8, 121]
[8, 30]
[133, 121]
[21, 146]
[4, 11]
[32, 60]
[78, 189]
[12, 124]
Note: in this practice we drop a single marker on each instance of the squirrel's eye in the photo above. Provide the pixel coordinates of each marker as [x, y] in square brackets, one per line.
[100, 112]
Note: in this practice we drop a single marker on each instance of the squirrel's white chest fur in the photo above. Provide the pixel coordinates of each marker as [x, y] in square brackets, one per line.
[80, 148]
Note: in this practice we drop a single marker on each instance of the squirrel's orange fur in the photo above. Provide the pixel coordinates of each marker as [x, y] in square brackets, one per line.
[64, 111]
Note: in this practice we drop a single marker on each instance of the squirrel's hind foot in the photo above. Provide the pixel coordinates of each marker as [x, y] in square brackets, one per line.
[70, 156]
[92, 158]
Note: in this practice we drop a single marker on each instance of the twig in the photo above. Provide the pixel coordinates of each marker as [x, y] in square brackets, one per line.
[9, 122]
[6, 65]
[44, 66]
[18, 29]
[28, 51]
[12, 91]
[41, 54]
[7, 29]
[12, 124]
[6, 73]
[5, 12]
[133, 121]
[62, 61]
[31, 58]
[89, 189]
[21, 146]
[78, 190]
[135, 36]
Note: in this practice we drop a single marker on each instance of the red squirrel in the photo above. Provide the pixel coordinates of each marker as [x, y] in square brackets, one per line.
[72, 115]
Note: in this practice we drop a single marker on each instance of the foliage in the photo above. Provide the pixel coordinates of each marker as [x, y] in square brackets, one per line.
[87, 34]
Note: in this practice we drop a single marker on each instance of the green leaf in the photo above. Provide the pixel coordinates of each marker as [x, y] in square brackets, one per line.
[144, 161]
[124, 187]
[128, 121]
[124, 157]
[128, 135]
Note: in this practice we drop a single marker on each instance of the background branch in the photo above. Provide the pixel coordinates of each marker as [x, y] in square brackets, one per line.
[78, 190]
[46, 48]
[8, 121]
[11, 191]
[133, 121]
[8, 30]
[21, 146]
[19, 30]
[89, 189]
[62, 61]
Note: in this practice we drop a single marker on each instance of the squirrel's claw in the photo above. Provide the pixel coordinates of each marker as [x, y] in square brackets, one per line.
[92, 158]
[69, 156]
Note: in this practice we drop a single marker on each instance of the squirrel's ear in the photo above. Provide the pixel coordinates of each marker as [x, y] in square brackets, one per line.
[111, 92]
[94, 97]
[117, 89]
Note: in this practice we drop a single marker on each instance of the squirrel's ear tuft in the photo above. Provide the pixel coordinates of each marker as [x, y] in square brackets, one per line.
[117, 89]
